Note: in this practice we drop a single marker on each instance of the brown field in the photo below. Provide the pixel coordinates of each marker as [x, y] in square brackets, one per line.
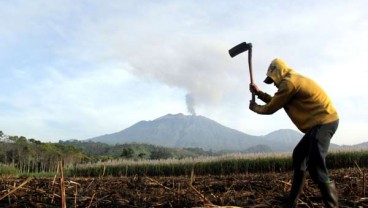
[251, 190]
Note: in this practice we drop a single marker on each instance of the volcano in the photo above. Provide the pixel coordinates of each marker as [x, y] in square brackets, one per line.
[183, 131]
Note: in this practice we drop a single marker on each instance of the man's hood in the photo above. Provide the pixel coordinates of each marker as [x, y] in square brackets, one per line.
[278, 70]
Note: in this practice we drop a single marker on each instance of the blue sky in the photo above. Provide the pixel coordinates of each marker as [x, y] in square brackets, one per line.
[79, 69]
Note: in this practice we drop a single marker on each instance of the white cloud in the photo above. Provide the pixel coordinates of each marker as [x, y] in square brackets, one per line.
[90, 67]
[76, 107]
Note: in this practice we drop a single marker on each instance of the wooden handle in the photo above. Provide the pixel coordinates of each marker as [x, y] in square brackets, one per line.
[251, 70]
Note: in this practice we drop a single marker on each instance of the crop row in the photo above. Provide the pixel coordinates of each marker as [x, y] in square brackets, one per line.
[223, 165]
[212, 166]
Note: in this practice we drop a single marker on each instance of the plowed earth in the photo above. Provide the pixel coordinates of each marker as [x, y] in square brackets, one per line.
[242, 190]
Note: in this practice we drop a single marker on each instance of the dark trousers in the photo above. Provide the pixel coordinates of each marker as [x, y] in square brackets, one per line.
[310, 153]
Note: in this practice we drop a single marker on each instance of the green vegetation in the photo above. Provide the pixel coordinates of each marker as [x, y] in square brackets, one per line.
[219, 165]
[343, 159]
[174, 167]
[101, 151]
[20, 156]
[32, 156]
[6, 170]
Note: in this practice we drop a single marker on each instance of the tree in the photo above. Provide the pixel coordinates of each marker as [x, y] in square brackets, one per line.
[142, 155]
[127, 153]
[160, 153]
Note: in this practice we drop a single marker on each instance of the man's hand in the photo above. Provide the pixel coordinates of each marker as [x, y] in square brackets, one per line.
[253, 105]
[253, 88]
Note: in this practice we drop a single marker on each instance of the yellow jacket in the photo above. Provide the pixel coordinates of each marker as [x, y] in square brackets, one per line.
[305, 102]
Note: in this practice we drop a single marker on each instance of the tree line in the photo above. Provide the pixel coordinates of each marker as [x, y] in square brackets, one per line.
[31, 155]
[135, 151]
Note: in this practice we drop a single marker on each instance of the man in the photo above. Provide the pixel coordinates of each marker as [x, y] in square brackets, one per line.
[312, 111]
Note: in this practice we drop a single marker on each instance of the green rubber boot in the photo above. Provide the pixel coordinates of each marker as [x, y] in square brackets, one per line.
[296, 188]
[329, 194]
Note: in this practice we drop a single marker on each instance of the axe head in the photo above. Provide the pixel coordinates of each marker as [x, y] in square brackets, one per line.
[240, 48]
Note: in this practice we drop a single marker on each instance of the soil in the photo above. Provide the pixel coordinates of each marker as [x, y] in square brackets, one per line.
[241, 190]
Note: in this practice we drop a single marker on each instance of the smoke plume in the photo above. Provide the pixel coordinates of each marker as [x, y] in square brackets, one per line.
[190, 103]
[200, 67]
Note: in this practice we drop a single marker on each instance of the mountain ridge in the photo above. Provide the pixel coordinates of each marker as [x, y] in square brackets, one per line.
[179, 130]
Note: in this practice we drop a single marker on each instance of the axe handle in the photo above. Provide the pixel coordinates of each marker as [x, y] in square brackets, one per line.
[251, 70]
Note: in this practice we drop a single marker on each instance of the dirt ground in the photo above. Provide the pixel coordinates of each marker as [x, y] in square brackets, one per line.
[252, 190]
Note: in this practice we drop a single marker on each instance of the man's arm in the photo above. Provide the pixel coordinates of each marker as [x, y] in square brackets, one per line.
[264, 96]
[253, 88]
[281, 97]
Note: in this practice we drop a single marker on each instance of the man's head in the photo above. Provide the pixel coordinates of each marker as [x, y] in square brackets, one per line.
[276, 71]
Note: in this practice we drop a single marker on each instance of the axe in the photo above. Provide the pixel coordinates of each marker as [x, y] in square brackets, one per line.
[240, 48]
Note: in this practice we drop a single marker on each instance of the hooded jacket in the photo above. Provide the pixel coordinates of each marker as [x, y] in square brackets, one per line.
[304, 101]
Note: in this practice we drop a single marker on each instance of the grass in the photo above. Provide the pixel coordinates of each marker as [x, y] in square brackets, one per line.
[236, 163]
[7, 170]
[229, 164]
[223, 165]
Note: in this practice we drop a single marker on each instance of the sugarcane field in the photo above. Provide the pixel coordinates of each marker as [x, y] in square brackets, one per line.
[238, 190]
[231, 181]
